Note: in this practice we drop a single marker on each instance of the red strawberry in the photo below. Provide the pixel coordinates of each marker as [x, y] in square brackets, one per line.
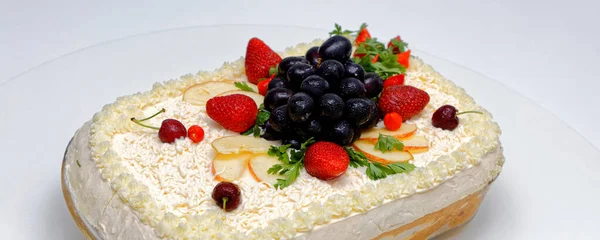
[403, 58]
[326, 160]
[395, 49]
[263, 86]
[363, 35]
[236, 112]
[259, 59]
[405, 100]
[394, 80]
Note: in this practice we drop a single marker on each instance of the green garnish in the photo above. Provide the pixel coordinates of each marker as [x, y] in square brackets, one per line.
[376, 170]
[244, 86]
[338, 31]
[78, 164]
[262, 117]
[387, 143]
[290, 164]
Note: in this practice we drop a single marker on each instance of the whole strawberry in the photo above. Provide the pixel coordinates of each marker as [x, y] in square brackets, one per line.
[326, 160]
[236, 112]
[405, 100]
[259, 59]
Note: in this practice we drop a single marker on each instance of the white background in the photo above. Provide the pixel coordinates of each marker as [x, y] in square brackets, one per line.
[546, 50]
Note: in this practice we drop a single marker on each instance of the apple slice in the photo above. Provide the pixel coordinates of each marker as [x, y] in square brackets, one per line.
[407, 130]
[416, 144]
[200, 93]
[258, 99]
[258, 167]
[229, 167]
[368, 148]
[240, 143]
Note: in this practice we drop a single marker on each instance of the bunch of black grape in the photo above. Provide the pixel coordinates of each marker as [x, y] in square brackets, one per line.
[323, 94]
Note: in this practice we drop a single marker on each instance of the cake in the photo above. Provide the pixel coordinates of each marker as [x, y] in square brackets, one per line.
[124, 181]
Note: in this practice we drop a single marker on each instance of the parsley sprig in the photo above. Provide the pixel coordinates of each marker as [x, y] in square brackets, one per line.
[262, 117]
[387, 143]
[243, 86]
[387, 63]
[376, 170]
[290, 164]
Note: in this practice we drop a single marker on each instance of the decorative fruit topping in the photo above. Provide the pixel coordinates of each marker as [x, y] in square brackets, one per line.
[227, 196]
[288, 62]
[235, 112]
[394, 156]
[300, 106]
[331, 107]
[229, 167]
[359, 110]
[289, 140]
[312, 55]
[263, 85]
[363, 34]
[336, 47]
[277, 97]
[353, 70]
[315, 86]
[392, 121]
[241, 144]
[200, 93]
[270, 133]
[394, 80]
[297, 73]
[278, 82]
[279, 119]
[170, 129]
[332, 71]
[446, 118]
[341, 133]
[259, 166]
[416, 144]
[406, 131]
[258, 99]
[326, 160]
[405, 100]
[352, 88]
[196, 133]
[373, 120]
[396, 45]
[403, 58]
[259, 59]
[373, 84]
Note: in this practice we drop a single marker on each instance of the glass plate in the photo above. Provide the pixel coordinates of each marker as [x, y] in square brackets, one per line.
[548, 189]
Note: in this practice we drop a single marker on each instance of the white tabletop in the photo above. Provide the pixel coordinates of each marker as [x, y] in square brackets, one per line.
[546, 50]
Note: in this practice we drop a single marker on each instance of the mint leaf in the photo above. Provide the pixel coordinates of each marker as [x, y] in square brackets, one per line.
[243, 86]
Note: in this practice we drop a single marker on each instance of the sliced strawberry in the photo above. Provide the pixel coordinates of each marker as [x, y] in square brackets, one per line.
[363, 35]
[259, 59]
[394, 80]
[403, 58]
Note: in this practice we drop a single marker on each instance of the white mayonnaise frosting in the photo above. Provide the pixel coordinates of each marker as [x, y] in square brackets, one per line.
[168, 186]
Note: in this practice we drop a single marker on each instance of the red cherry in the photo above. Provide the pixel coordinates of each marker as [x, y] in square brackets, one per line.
[171, 129]
[446, 118]
[227, 196]
[196, 133]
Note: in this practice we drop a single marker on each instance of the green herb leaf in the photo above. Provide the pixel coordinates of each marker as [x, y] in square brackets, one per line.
[386, 143]
[338, 31]
[262, 117]
[243, 86]
[273, 70]
[376, 170]
[290, 164]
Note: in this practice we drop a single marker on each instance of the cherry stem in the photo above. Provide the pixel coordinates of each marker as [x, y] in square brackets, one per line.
[225, 203]
[156, 114]
[478, 112]
[139, 122]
